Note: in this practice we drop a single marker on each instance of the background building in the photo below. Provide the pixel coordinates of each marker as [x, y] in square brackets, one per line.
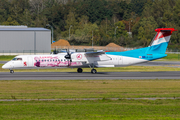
[16, 40]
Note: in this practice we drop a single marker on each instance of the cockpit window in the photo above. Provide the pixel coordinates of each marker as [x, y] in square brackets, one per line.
[15, 59]
[19, 58]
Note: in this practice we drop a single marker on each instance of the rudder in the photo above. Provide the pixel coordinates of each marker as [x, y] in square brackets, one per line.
[160, 42]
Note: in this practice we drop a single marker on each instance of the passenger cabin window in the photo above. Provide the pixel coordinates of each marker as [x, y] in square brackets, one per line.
[15, 59]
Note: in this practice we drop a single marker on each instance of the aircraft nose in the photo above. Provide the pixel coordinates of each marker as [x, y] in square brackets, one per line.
[4, 66]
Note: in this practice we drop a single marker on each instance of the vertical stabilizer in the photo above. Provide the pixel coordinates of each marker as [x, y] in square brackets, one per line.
[160, 42]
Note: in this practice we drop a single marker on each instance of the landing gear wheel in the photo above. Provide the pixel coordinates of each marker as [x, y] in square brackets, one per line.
[11, 71]
[79, 70]
[93, 71]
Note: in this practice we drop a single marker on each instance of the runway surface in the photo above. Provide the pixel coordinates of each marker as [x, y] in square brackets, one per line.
[88, 75]
[161, 63]
[3, 62]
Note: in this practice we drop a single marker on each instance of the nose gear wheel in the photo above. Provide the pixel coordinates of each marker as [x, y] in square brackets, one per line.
[11, 71]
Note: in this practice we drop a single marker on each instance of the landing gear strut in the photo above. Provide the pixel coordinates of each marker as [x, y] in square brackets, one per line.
[79, 70]
[93, 71]
[11, 71]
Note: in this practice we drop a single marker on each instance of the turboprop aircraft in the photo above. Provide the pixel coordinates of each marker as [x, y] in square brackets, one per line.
[155, 50]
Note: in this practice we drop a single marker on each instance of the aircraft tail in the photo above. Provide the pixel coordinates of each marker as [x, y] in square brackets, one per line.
[160, 42]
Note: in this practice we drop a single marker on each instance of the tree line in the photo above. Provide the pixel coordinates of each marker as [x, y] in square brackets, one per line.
[104, 21]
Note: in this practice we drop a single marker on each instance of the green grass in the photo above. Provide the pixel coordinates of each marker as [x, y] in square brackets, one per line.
[55, 89]
[91, 110]
[6, 57]
[172, 57]
[95, 109]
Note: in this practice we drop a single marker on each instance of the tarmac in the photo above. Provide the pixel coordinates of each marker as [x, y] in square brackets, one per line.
[89, 76]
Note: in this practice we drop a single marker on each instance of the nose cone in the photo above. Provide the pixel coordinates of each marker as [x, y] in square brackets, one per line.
[5, 66]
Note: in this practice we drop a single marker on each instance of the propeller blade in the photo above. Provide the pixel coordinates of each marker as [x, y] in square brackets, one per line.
[68, 57]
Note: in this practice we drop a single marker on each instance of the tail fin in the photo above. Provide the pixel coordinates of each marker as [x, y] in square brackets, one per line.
[160, 42]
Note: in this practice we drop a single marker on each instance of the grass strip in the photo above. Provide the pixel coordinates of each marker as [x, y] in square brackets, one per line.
[64, 89]
[6, 57]
[91, 110]
[172, 57]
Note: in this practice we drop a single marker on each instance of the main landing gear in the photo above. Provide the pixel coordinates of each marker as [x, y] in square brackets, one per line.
[11, 71]
[93, 71]
[79, 70]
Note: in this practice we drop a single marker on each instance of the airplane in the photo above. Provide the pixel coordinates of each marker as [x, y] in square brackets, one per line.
[79, 60]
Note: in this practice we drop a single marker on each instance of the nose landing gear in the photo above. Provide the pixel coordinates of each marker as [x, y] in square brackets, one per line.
[11, 71]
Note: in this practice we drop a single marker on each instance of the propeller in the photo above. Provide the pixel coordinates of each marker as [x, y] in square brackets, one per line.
[68, 56]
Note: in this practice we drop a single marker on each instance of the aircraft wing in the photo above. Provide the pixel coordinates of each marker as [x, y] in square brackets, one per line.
[89, 57]
[94, 53]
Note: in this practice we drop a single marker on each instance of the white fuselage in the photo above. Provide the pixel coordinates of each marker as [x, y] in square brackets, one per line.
[79, 60]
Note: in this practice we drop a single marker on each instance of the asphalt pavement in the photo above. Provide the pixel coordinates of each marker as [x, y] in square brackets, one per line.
[88, 75]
